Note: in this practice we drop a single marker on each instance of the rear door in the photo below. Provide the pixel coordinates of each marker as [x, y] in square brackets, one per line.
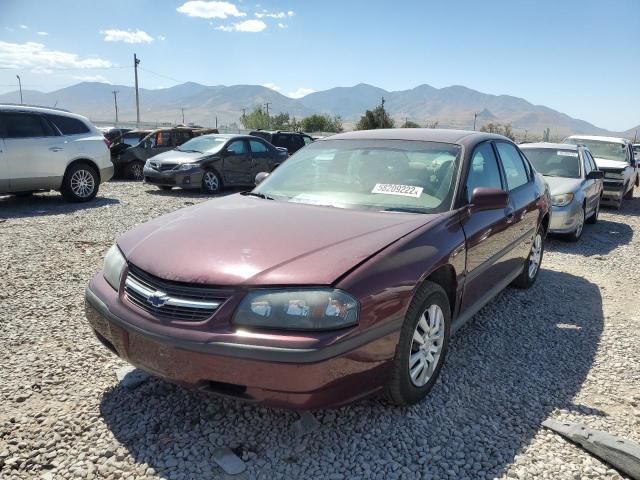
[237, 163]
[35, 152]
[487, 232]
[589, 186]
[261, 158]
[523, 212]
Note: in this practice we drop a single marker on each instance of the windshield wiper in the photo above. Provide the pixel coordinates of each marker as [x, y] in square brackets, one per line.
[256, 194]
[404, 210]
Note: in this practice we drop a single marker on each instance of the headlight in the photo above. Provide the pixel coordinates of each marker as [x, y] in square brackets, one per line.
[302, 309]
[187, 166]
[562, 200]
[615, 176]
[114, 263]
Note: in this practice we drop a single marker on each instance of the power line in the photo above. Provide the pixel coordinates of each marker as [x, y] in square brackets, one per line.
[162, 75]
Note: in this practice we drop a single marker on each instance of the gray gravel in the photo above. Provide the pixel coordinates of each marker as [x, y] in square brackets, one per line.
[566, 349]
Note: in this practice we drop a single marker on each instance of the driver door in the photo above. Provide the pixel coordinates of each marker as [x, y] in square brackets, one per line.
[237, 163]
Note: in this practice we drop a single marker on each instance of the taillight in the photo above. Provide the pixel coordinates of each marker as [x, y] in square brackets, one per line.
[106, 142]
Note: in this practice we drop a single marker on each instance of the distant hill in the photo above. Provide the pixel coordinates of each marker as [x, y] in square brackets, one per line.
[453, 106]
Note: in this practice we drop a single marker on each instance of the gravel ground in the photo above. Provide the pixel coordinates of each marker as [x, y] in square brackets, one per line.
[567, 349]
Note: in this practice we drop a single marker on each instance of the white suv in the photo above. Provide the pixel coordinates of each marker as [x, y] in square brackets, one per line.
[51, 149]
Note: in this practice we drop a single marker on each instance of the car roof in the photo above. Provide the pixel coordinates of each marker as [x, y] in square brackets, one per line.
[273, 132]
[555, 146]
[231, 135]
[599, 138]
[462, 137]
[9, 107]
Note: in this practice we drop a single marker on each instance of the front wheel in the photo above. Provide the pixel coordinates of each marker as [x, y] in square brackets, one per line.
[577, 233]
[421, 350]
[531, 267]
[211, 182]
[135, 170]
[80, 183]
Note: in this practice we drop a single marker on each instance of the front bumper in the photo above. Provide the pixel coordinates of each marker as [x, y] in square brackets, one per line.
[174, 178]
[564, 219]
[299, 378]
[613, 191]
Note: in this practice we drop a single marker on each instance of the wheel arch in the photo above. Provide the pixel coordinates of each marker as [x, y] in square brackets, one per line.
[78, 161]
[445, 276]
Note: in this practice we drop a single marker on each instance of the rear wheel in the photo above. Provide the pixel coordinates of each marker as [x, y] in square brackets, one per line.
[577, 233]
[531, 267]
[134, 170]
[422, 347]
[80, 183]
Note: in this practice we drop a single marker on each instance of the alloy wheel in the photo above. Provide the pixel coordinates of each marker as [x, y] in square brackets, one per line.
[211, 181]
[535, 255]
[137, 171]
[426, 345]
[580, 224]
[82, 183]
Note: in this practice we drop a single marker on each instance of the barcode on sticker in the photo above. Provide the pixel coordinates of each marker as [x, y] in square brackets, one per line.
[393, 189]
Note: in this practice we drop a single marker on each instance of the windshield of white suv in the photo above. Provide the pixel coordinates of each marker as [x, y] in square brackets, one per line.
[554, 163]
[204, 144]
[602, 149]
[389, 175]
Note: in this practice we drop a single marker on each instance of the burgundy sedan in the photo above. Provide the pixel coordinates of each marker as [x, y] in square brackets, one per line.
[343, 273]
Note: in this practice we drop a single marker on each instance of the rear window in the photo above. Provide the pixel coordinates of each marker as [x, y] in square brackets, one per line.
[68, 125]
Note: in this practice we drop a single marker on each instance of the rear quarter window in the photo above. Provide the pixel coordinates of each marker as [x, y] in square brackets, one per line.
[68, 125]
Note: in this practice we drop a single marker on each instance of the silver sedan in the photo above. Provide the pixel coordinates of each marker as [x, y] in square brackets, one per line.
[574, 181]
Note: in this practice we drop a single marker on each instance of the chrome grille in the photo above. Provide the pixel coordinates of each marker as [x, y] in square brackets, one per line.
[173, 300]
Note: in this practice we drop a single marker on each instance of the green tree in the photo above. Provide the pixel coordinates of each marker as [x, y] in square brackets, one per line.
[281, 121]
[256, 119]
[378, 118]
[321, 123]
[409, 124]
[500, 129]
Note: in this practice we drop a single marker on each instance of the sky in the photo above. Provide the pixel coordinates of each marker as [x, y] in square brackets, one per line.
[581, 57]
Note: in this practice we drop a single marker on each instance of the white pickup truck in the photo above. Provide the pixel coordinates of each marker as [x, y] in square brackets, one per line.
[614, 156]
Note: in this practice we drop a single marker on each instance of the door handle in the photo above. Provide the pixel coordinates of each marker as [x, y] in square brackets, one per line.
[55, 149]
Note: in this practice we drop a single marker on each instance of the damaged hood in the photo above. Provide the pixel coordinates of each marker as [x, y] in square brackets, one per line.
[241, 240]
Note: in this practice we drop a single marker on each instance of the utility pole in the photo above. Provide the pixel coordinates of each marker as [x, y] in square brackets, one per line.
[268, 117]
[115, 101]
[216, 121]
[475, 116]
[20, 84]
[382, 113]
[182, 115]
[136, 61]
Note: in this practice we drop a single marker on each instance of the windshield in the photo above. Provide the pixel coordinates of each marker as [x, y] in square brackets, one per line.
[389, 175]
[554, 163]
[602, 149]
[204, 144]
[133, 138]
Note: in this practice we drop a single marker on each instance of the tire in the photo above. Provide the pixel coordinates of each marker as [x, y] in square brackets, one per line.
[430, 305]
[211, 182]
[594, 216]
[134, 170]
[577, 233]
[629, 194]
[529, 274]
[80, 183]
[165, 187]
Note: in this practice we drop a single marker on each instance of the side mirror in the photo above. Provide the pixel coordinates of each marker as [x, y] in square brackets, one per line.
[595, 175]
[484, 198]
[260, 177]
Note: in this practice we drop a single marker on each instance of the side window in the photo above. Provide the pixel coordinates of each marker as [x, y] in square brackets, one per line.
[182, 136]
[68, 125]
[281, 141]
[257, 146]
[307, 140]
[162, 139]
[25, 125]
[514, 167]
[592, 162]
[586, 163]
[484, 170]
[239, 147]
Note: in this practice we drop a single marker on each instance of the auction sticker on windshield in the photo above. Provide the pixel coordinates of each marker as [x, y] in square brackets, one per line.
[392, 189]
[565, 153]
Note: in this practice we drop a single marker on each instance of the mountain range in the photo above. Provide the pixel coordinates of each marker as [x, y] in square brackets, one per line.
[453, 106]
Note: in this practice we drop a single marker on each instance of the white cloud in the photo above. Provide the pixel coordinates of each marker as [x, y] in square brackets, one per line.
[161, 37]
[282, 25]
[266, 13]
[290, 13]
[126, 36]
[35, 56]
[9, 29]
[207, 9]
[43, 34]
[246, 26]
[24, 27]
[272, 86]
[301, 92]
[90, 78]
